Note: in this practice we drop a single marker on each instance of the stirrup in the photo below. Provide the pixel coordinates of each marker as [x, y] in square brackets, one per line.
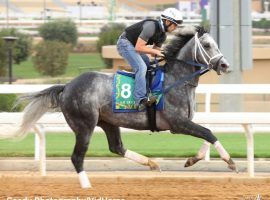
[147, 102]
[151, 99]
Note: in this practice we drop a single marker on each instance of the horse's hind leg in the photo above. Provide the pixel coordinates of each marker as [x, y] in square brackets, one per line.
[116, 146]
[83, 130]
[190, 128]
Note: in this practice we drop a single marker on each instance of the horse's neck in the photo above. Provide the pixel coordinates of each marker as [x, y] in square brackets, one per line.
[179, 70]
[186, 53]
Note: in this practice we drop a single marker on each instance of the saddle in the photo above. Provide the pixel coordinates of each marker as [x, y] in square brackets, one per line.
[123, 86]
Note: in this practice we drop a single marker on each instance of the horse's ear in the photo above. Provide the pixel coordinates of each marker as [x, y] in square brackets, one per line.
[201, 30]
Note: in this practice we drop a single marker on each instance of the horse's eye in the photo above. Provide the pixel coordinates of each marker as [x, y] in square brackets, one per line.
[206, 45]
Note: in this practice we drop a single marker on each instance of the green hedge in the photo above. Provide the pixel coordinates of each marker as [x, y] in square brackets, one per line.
[262, 24]
[109, 35]
[3, 59]
[22, 46]
[7, 102]
[51, 58]
[62, 30]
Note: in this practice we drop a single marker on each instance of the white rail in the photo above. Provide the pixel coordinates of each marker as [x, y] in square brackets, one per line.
[247, 120]
[209, 89]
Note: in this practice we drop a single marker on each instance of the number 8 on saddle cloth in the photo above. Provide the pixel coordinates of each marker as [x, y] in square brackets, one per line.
[123, 85]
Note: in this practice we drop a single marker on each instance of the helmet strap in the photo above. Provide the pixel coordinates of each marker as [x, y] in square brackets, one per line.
[166, 26]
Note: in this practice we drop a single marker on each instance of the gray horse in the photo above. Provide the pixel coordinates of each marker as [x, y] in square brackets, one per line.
[86, 102]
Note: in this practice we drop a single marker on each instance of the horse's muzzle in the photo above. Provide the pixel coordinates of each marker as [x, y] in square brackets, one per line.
[222, 66]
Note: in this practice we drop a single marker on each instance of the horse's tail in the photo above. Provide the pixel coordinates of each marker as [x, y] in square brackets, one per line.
[40, 103]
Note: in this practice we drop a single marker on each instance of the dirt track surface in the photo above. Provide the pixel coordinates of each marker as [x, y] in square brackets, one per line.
[134, 185]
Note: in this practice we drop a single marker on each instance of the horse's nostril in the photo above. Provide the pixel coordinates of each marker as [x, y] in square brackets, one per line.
[224, 65]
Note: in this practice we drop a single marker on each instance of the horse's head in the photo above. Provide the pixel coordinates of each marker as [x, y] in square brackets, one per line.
[206, 51]
[195, 44]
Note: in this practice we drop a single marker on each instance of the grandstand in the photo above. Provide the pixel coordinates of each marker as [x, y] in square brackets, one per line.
[145, 5]
[37, 8]
[90, 9]
[71, 8]
[31, 6]
[89, 14]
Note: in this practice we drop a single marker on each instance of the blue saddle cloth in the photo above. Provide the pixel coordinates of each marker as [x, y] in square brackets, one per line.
[123, 85]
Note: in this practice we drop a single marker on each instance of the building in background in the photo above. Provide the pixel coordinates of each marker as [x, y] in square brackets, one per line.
[110, 9]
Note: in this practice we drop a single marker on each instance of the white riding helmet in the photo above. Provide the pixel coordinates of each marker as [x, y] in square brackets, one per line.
[173, 15]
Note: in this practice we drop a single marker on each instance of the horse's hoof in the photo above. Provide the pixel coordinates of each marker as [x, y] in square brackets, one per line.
[191, 161]
[231, 165]
[154, 166]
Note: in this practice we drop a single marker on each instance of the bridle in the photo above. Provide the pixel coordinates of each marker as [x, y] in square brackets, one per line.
[207, 66]
[207, 59]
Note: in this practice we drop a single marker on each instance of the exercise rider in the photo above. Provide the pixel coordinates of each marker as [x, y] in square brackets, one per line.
[132, 45]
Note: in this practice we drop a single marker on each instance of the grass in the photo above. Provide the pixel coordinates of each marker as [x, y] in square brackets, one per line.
[26, 69]
[153, 145]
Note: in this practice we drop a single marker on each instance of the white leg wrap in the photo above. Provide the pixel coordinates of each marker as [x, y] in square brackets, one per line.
[84, 181]
[222, 152]
[204, 148]
[136, 157]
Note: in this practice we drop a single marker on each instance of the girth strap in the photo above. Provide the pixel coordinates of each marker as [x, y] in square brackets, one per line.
[151, 110]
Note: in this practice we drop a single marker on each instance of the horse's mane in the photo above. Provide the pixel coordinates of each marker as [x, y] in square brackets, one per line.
[180, 39]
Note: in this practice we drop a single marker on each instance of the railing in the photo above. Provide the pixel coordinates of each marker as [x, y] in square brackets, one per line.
[209, 89]
[246, 120]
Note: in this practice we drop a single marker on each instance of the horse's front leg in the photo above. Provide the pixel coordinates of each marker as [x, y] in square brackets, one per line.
[190, 128]
[200, 155]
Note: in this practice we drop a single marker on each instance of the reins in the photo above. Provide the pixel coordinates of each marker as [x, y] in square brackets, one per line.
[204, 68]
